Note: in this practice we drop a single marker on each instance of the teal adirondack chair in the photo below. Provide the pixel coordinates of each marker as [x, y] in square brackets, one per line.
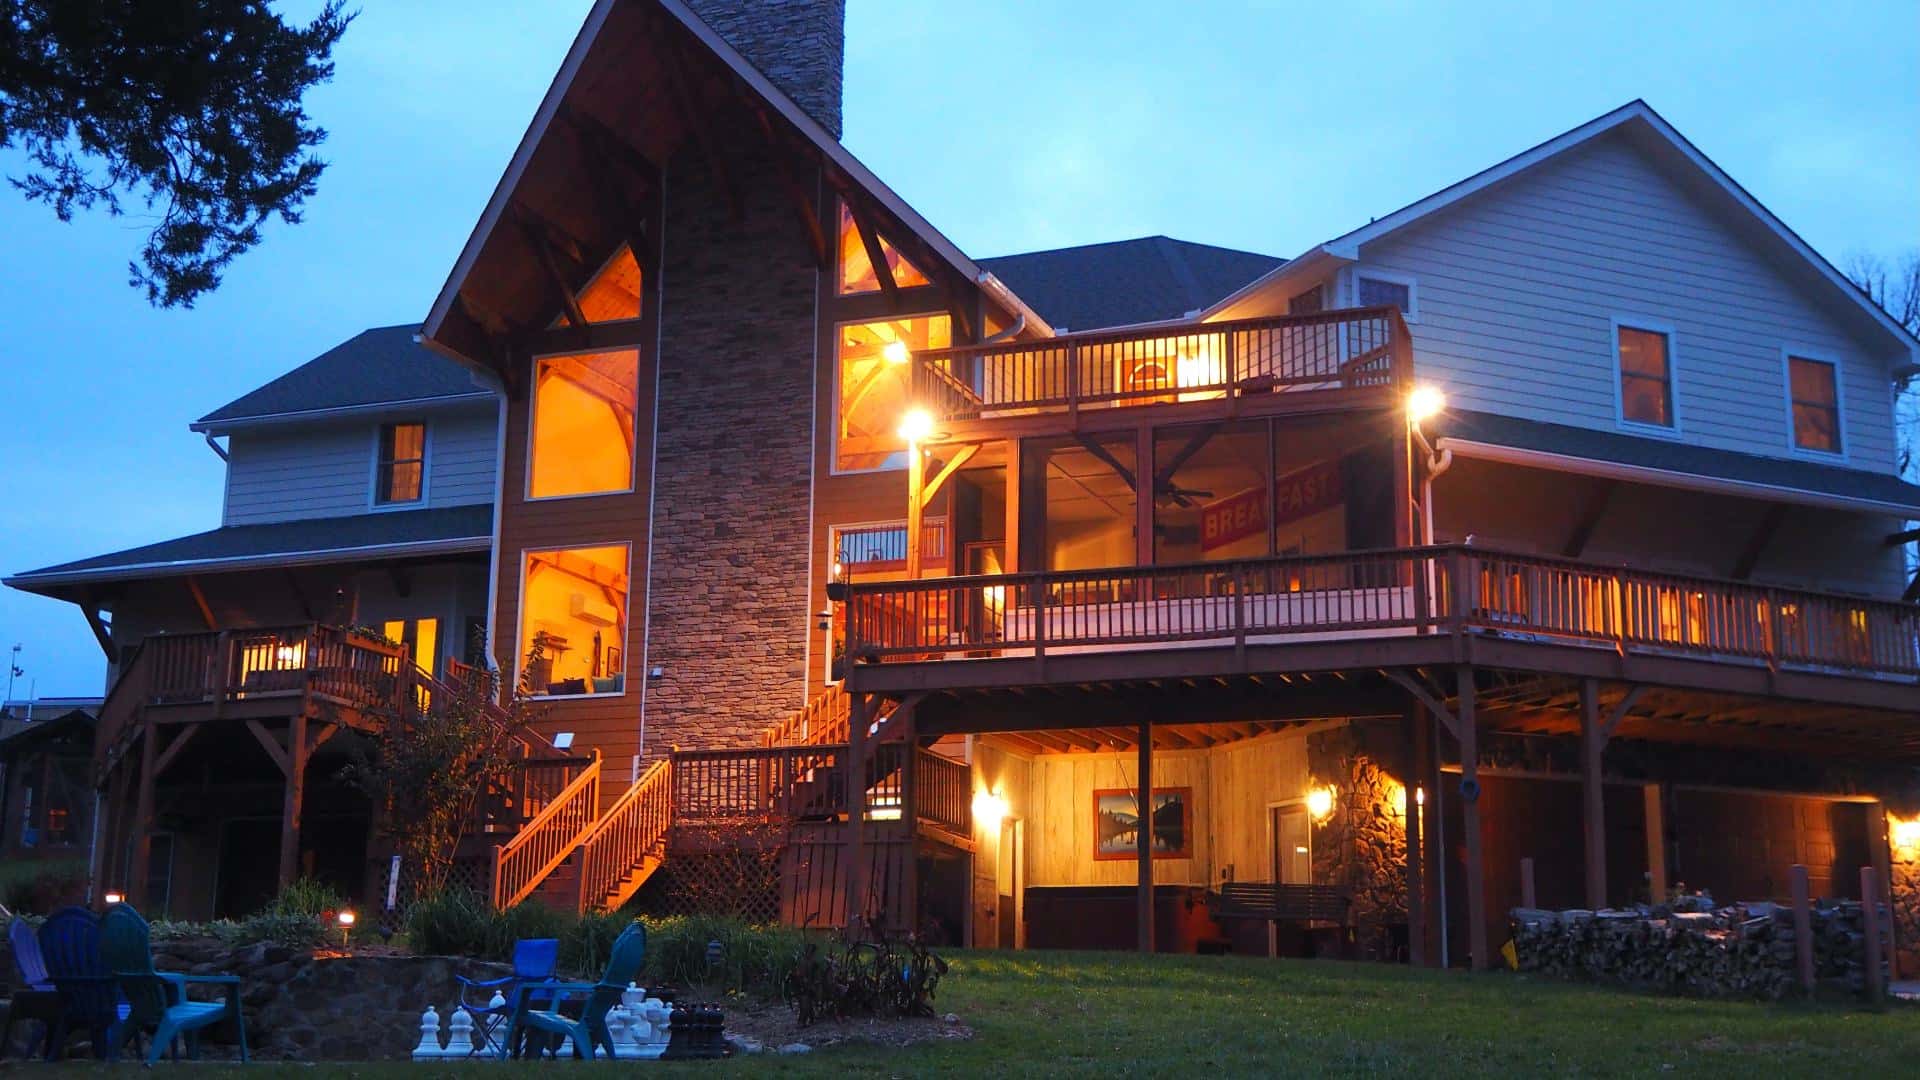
[590, 1030]
[159, 999]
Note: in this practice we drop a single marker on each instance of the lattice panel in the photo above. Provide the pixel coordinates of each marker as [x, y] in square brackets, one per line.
[736, 876]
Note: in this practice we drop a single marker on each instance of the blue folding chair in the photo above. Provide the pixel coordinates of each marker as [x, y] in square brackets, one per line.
[34, 996]
[534, 960]
[589, 1030]
[89, 995]
[159, 999]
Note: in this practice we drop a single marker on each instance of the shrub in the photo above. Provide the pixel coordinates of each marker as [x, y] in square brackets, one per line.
[880, 979]
[41, 887]
[309, 897]
[753, 959]
[586, 944]
[454, 921]
[290, 929]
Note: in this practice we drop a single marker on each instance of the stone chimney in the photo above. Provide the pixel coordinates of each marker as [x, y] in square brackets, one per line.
[799, 45]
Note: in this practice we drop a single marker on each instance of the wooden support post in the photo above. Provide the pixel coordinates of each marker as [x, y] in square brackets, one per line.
[1010, 545]
[136, 886]
[860, 714]
[1433, 833]
[1870, 900]
[1470, 819]
[1593, 743]
[916, 506]
[1802, 928]
[1656, 819]
[295, 792]
[1143, 497]
[1880, 847]
[1143, 837]
[1527, 894]
[910, 822]
[1416, 880]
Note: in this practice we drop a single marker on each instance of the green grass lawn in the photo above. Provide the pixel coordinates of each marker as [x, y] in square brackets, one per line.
[1109, 1015]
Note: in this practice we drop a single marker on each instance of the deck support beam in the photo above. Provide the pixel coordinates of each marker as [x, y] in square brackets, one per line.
[1416, 882]
[1593, 743]
[916, 508]
[909, 819]
[1470, 817]
[1143, 837]
[1656, 819]
[859, 717]
[296, 783]
[136, 889]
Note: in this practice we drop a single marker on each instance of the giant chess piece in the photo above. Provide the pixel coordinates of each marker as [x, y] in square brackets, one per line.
[459, 1034]
[429, 1046]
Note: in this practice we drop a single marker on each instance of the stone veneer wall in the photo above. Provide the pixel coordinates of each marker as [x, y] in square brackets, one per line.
[727, 585]
[799, 45]
[1363, 843]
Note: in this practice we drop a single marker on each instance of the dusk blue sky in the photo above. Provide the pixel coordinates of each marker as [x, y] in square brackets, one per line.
[1011, 126]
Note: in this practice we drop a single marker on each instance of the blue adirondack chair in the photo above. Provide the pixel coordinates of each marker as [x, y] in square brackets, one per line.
[590, 1030]
[89, 997]
[34, 997]
[533, 962]
[159, 999]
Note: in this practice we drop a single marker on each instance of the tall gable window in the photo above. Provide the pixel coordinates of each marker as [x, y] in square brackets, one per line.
[1646, 376]
[400, 473]
[872, 390]
[583, 424]
[1813, 388]
[857, 274]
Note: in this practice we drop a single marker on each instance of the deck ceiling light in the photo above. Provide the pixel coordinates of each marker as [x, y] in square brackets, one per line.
[916, 426]
[1425, 402]
[895, 352]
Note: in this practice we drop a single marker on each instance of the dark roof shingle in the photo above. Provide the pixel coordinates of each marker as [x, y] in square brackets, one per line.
[370, 368]
[309, 538]
[1126, 281]
[1633, 450]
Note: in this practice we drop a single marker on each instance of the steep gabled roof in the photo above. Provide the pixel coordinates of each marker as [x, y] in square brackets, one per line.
[1653, 132]
[375, 367]
[1124, 282]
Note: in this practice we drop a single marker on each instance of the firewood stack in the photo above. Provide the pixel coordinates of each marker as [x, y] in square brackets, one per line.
[1743, 951]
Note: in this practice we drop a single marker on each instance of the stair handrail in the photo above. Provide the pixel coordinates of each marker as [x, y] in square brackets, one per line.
[543, 843]
[823, 719]
[119, 713]
[636, 823]
[537, 745]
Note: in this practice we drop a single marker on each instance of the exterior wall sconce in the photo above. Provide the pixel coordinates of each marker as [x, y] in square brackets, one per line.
[1425, 402]
[1320, 803]
[1906, 838]
[989, 808]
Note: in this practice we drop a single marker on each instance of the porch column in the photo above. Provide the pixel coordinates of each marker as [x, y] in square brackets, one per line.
[295, 792]
[1143, 496]
[909, 821]
[1656, 818]
[1593, 743]
[860, 714]
[142, 833]
[916, 489]
[1470, 819]
[1143, 837]
[1010, 556]
[1416, 883]
[1433, 835]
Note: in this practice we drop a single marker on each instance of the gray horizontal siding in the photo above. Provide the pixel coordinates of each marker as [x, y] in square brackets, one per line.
[1517, 287]
[286, 474]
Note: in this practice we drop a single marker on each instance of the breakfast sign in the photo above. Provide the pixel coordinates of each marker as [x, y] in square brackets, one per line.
[1299, 494]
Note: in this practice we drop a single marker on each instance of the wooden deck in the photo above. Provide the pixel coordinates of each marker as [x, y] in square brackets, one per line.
[1193, 371]
[1408, 607]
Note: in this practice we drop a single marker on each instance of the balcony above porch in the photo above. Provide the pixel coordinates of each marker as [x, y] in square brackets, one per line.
[1361, 611]
[1187, 371]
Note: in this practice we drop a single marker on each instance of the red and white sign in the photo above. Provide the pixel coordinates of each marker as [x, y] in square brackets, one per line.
[1299, 494]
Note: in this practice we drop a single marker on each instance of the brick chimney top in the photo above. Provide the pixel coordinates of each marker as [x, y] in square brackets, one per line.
[799, 45]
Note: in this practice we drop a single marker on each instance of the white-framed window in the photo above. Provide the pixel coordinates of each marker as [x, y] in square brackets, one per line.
[1814, 404]
[573, 620]
[1311, 302]
[400, 463]
[1379, 288]
[581, 420]
[1645, 381]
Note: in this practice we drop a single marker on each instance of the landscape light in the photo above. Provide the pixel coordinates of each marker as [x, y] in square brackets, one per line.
[116, 898]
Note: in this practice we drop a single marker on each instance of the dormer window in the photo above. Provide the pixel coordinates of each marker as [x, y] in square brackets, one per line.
[400, 473]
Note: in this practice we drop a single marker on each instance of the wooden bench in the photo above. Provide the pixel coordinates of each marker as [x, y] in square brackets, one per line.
[1275, 903]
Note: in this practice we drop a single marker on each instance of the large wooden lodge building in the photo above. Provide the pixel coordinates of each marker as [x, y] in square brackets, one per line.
[1554, 516]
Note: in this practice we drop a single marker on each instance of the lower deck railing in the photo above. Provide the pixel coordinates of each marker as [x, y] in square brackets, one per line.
[1404, 591]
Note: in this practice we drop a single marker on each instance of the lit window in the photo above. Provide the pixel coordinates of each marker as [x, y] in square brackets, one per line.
[573, 621]
[1381, 292]
[1646, 377]
[874, 387]
[1815, 389]
[400, 475]
[613, 294]
[583, 408]
[856, 265]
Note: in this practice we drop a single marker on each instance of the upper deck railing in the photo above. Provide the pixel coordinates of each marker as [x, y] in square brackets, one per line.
[1354, 348]
[1380, 593]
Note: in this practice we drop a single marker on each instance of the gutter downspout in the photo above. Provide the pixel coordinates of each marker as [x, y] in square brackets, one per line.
[1019, 324]
[503, 402]
[216, 447]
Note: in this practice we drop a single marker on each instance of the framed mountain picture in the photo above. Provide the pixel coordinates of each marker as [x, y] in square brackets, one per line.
[1116, 823]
